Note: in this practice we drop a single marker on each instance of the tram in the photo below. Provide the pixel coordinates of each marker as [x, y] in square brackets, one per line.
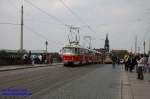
[74, 54]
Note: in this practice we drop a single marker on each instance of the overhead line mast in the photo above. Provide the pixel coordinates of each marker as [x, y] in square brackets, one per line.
[21, 35]
[135, 44]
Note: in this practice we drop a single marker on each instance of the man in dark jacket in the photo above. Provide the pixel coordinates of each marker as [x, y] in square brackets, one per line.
[133, 63]
[114, 59]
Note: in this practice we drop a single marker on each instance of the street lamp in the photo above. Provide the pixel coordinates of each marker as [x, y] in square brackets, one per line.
[46, 43]
[144, 47]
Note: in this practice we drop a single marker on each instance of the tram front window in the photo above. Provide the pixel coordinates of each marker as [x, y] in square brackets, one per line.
[70, 50]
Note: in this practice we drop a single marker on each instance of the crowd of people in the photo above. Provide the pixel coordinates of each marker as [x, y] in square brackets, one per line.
[36, 59]
[141, 63]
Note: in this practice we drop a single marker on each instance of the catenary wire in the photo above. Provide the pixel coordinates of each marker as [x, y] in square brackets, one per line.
[46, 13]
[78, 17]
[41, 36]
[7, 23]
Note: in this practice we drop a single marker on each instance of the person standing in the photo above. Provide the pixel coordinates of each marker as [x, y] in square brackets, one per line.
[126, 57]
[130, 63]
[140, 68]
[114, 59]
[145, 63]
[133, 63]
[148, 63]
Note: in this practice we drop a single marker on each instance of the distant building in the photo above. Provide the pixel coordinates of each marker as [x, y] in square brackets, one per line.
[103, 51]
[106, 46]
[119, 53]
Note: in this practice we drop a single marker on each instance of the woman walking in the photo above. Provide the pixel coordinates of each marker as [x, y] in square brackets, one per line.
[140, 68]
[126, 57]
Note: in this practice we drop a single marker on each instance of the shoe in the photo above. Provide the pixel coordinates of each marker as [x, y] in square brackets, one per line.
[142, 79]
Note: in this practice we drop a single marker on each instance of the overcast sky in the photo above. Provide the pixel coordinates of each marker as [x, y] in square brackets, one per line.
[121, 19]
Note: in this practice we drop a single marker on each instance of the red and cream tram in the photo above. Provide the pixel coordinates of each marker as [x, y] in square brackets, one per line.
[74, 54]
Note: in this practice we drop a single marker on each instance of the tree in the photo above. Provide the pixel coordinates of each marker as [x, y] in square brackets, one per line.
[3, 54]
[20, 53]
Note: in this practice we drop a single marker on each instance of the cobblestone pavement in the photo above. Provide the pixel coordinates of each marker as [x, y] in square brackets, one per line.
[140, 89]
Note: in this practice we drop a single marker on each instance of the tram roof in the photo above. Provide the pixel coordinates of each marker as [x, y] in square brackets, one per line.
[73, 45]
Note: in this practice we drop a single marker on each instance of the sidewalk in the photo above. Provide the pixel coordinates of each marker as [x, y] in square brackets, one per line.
[17, 67]
[132, 88]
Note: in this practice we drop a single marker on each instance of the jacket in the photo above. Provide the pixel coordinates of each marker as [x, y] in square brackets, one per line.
[141, 62]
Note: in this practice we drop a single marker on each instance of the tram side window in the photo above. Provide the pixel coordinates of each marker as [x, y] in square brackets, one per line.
[86, 52]
[82, 51]
[90, 52]
[77, 51]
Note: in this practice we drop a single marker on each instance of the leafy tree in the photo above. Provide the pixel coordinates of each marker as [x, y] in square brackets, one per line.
[3, 54]
[20, 53]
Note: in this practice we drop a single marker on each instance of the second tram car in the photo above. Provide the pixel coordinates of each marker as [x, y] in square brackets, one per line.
[74, 54]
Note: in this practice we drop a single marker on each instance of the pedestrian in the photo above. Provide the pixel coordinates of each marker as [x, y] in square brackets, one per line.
[130, 65]
[145, 63]
[140, 68]
[126, 57]
[148, 63]
[32, 59]
[136, 66]
[133, 63]
[118, 61]
[114, 59]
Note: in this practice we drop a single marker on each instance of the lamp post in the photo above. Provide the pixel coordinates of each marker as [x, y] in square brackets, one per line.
[46, 43]
[144, 47]
[21, 33]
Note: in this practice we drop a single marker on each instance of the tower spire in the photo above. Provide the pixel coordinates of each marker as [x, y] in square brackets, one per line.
[106, 46]
[107, 36]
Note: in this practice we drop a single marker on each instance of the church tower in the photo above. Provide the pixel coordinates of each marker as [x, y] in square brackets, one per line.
[106, 46]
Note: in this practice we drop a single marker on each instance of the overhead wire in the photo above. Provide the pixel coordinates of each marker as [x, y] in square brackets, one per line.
[58, 20]
[78, 17]
[46, 13]
[7, 23]
[40, 35]
[32, 30]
